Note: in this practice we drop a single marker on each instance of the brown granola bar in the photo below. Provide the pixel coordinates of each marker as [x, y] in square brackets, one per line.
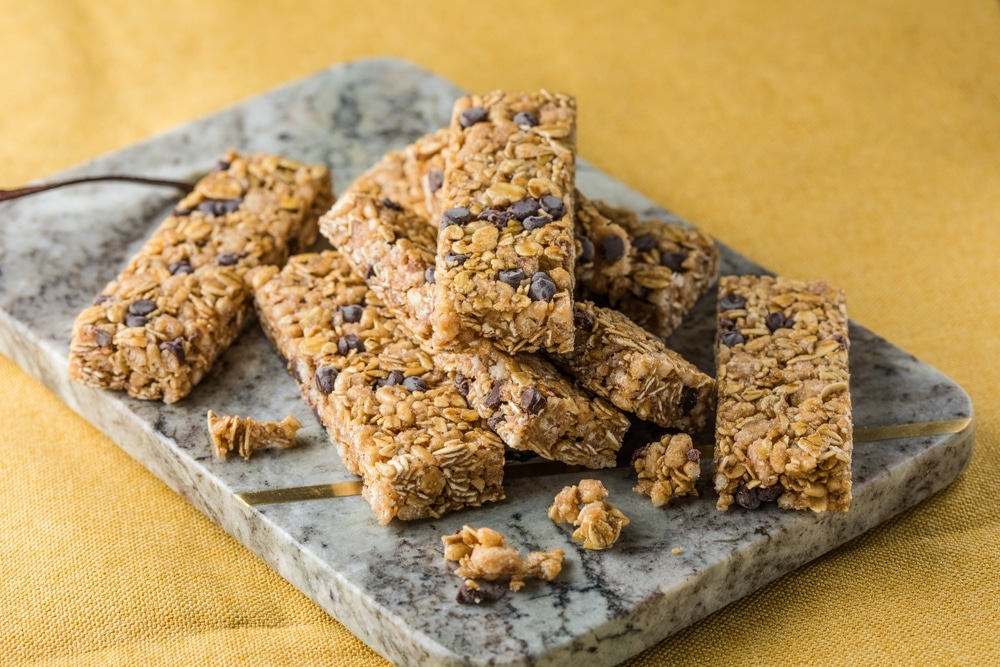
[784, 427]
[402, 424]
[670, 267]
[532, 407]
[667, 468]
[617, 359]
[505, 252]
[603, 247]
[156, 330]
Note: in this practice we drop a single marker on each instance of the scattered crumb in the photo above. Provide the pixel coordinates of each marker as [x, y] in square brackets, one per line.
[245, 435]
[676, 550]
[483, 554]
[667, 468]
[599, 523]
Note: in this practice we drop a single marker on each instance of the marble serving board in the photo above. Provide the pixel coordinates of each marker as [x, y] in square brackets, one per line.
[389, 584]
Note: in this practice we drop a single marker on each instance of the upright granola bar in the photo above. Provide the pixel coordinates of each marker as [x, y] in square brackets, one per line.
[617, 359]
[783, 427]
[156, 330]
[505, 252]
[670, 267]
[401, 423]
[532, 407]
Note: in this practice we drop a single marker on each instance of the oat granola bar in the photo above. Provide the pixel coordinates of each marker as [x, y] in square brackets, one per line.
[533, 407]
[505, 252]
[617, 359]
[401, 423]
[783, 427]
[670, 267]
[156, 330]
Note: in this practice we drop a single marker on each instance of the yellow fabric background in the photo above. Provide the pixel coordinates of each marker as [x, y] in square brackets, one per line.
[856, 140]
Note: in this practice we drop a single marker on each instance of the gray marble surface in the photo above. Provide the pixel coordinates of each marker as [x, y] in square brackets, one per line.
[389, 585]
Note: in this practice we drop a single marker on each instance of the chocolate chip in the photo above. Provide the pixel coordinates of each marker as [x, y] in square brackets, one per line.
[644, 242]
[768, 494]
[535, 222]
[391, 380]
[777, 320]
[486, 592]
[325, 377]
[542, 287]
[523, 208]
[102, 337]
[638, 454]
[219, 207]
[181, 212]
[730, 338]
[493, 399]
[352, 313]
[495, 420]
[673, 261]
[142, 307]
[512, 277]
[532, 401]
[747, 498]
[429, 275]
[455, 258]
[462, 384]
[587, 251]
[176, 347]
[180, 267]
[732, 301]
[612, 248]
[415, 383]
[554, 206]
[134, 320]
[693, 455]
[526, 118]
[689, 399]
[472, 116]
[455, 216]
[726, 324]
[389, 204]
[99, 299]
[348, 343]
[221, 165]
[370, 273]
[583, 320]
[228, 258]
[435, 179]
[495, 217]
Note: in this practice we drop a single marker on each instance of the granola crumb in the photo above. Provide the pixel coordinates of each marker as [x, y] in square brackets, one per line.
[482, 554]
[667, 468]
[676, 550]
[245, 435]
[599, 523]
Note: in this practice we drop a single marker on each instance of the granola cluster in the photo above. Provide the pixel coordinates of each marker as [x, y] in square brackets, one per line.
[245, 435]
[598, 523]
[483, 554]
[667, 468]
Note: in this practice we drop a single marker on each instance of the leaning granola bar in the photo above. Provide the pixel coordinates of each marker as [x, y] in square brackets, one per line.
[783, 427]
[532, 407]
[617, 359]
[671, 267]
[402, 424]
[156, 330]
[505, 252]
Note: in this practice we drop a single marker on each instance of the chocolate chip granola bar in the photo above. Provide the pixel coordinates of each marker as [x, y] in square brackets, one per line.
[156, 330]
[505, 252]
[783, 428]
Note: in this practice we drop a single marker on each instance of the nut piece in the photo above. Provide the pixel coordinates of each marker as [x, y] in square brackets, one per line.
[667, 468]
[482, 554]
[599, 523]
[245, 435]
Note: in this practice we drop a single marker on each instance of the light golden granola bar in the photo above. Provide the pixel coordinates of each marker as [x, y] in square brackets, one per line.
[670, 267]
[156, 330]
[617, 359]
[505, 252]
[401, 423]
[667, 468]
[783, 427]
[245, 435]
[533, 407]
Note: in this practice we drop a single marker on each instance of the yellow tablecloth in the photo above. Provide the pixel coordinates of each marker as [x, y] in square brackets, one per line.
[857, 141]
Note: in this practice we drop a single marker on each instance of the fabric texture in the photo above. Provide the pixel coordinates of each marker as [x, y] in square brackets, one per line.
[857, 141]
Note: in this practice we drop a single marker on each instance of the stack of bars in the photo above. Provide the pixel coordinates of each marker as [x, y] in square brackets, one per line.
[477, 305]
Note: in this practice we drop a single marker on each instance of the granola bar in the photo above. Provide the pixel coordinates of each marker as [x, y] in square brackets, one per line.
[784, 427]
[401, 423]
[603, 247]
[245, 435]
[533, 407]
[505, 252]
[156, 330]
[667, 468]
[617, 359]
[670, 267]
